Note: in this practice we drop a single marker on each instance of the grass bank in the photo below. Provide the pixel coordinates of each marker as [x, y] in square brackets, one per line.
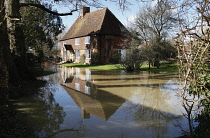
[163, 67]
[99, 67]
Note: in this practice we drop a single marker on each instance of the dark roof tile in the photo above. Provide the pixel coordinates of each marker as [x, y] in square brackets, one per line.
[98, 22]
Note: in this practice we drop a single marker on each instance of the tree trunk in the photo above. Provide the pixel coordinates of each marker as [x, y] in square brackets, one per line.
[4, 79]
[16, 38]
[15, 33]
[8, 72]
[12, 50]
[6, 61]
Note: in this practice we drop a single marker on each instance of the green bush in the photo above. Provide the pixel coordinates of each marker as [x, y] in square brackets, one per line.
[134, 61]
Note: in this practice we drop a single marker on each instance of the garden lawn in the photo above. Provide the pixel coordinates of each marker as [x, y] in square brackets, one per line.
[99, 67]
[163, 67]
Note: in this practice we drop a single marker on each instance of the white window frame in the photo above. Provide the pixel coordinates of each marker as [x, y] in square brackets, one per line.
[71, 56]
[77, 86]
[77, 54]
[64, 75]
[77, 41]
[88, 75]
[88, 54]
[87, 89]
[122, 53]
[87, 40]
[72, 71]
[77, 73]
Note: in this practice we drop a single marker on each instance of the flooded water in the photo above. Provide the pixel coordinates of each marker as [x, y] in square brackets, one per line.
[78, 102]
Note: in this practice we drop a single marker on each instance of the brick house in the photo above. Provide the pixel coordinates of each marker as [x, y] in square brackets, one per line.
[94, 37]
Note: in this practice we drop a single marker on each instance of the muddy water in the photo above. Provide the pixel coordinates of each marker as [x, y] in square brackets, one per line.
[78, 102]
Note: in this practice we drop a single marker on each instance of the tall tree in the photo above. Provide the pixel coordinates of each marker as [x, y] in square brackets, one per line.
[3, 48]
[48, 27]
[153, 24]
[15, 57]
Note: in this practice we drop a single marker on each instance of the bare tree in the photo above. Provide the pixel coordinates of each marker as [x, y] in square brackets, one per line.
[193, 44]
[153, 23]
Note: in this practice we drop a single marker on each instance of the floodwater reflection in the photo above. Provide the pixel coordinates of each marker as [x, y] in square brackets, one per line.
[80, 102]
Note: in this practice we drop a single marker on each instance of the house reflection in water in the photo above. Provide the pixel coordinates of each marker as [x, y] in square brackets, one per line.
[87, 95]
[140, 100]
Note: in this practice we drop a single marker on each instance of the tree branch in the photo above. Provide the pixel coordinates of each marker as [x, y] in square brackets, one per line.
[46, 9]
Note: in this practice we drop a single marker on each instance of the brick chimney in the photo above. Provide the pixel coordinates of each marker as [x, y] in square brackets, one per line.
[84, 10]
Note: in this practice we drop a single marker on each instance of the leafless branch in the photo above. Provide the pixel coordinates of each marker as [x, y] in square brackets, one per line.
[47, 10]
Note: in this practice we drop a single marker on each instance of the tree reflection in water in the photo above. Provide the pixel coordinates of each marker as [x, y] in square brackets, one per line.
[151, 109]
[42, 111]
[80, 132]
[54, 112]
[148, 118]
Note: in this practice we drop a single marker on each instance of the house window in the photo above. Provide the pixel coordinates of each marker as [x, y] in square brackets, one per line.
[71, 56]
[87, 90]
[64, 75]
[71, 71]
[77, 73]
[122, 53]
[77, 86]
[87, 40]
[77, 54]
[77, 41]
[87, 75]
[88, 54]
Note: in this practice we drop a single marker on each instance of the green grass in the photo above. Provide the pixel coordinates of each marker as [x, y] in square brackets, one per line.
[163, 67]
[99, 67]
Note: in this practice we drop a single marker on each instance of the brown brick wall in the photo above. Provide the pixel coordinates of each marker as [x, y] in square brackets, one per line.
[103, 44]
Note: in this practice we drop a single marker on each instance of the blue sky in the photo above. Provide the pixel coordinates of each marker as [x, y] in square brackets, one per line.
[123, 16]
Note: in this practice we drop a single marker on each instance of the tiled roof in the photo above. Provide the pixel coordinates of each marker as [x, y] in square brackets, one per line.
[98, 22]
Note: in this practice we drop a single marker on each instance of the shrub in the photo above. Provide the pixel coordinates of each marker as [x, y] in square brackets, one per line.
[134, 61]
